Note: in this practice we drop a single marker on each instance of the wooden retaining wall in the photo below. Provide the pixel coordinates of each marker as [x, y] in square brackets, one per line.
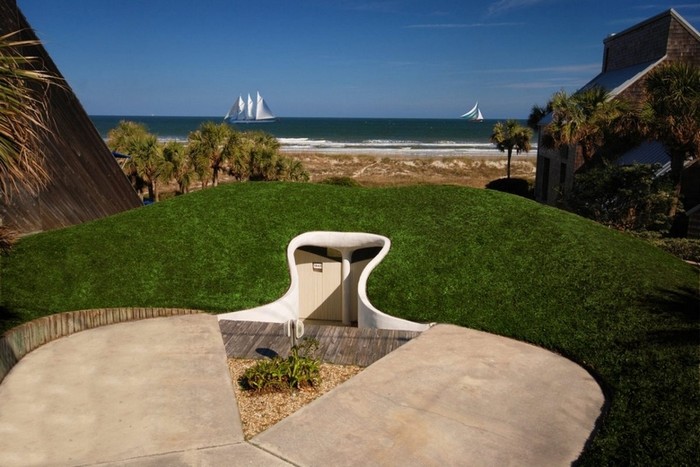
[342, 345]
[20, 340]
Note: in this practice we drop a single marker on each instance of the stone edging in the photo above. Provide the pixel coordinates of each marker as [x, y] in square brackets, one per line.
[22, 339]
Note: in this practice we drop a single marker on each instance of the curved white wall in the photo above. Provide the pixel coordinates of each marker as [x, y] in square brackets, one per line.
[287, 307]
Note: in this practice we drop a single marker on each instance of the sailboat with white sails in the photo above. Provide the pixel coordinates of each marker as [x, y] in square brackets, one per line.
[474, 114]
[246, 112]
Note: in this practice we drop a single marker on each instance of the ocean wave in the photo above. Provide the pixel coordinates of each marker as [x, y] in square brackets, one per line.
[387, 147]
[378, 147]
[450, 137]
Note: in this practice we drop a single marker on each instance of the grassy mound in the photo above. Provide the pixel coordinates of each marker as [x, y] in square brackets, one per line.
[625, 310]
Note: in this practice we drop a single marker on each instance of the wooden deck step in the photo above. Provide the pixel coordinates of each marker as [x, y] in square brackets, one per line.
[338, 344]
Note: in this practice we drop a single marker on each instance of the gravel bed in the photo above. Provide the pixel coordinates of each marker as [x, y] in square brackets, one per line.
[260, 411]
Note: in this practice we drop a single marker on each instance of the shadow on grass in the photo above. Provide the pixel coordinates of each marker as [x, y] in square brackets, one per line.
[683, 306]
[514, 186]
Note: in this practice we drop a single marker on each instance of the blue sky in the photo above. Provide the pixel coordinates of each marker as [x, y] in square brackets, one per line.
[331, 58]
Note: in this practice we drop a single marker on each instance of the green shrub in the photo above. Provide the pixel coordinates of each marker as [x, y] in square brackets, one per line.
[624, 197]
[341, 181]
[298, 370]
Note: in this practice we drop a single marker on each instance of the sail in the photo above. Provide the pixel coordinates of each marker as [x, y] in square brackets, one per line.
[474, 114]
[243, 111]
[240, 109]
[231, 114]
[262, 111]
[236, 112]
[249, 115]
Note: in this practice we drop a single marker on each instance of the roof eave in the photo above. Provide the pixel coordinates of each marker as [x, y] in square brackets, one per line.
[670, 12]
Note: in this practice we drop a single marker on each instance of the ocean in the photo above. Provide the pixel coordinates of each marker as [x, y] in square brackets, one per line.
[375, 136]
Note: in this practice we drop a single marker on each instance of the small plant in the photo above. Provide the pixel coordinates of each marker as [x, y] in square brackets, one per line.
[298, 370]
[341, 181]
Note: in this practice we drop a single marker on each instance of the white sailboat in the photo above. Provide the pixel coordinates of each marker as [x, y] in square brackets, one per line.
[474, 114]
[247, 112]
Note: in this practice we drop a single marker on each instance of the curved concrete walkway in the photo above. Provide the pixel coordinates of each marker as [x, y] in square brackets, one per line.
[157, 392]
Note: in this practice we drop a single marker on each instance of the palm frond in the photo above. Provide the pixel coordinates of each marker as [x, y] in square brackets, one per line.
[24, 83]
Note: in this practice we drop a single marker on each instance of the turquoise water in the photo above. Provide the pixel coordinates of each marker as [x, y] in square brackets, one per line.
[341, 135]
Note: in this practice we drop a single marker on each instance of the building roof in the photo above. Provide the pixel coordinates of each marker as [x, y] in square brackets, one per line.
[618, 80]
[671, 12]
[86, 182]
[649, 152]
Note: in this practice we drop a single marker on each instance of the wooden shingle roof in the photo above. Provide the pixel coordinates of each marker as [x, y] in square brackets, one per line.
[86, 183]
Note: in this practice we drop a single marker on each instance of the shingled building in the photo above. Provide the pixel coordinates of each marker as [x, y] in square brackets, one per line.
[86, 182]
[628, 57]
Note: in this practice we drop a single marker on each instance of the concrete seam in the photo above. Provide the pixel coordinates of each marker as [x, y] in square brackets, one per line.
[250, 442]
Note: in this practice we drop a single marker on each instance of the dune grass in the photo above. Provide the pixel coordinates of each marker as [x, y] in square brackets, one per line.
[625, 310]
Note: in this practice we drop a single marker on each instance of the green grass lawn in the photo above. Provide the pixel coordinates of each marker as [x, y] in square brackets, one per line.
[625, 310]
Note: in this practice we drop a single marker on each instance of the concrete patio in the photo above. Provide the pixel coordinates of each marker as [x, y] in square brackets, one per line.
[157, 392]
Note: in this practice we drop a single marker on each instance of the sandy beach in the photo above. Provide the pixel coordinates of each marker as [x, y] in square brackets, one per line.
[475, 170]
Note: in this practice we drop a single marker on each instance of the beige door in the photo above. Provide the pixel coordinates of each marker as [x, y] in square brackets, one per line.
[320, 289]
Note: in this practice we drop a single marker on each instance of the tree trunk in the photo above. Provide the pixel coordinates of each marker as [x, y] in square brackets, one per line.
[510, 153]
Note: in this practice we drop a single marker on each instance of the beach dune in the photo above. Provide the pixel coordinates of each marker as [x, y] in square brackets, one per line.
[475, 170]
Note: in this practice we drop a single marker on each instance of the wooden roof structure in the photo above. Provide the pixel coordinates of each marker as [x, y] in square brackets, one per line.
[628, 57]
[86, 182]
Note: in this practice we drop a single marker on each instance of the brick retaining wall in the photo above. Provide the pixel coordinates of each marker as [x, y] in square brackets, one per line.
[20, 340]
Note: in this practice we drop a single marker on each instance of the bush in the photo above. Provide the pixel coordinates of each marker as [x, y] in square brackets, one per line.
[298, 370]
[341, 181]
[623, 197]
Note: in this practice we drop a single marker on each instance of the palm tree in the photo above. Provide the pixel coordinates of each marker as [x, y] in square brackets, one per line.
[583, 120]
[209, 142]
[150, 164]
[264, 157]
[537, 114]
[147, 162]
[120, 138]
[126, 137]
[23, 116]
[511, 135]
[239, 149]
[178, 165]
[672, 113]
[200, 166]
[255, 156]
